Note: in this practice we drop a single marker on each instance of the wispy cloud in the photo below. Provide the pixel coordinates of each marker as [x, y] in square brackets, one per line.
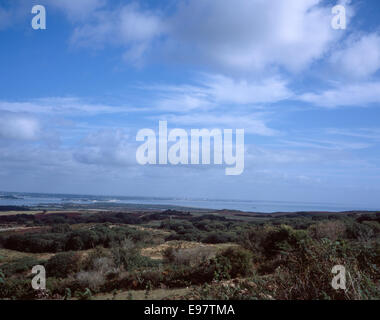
[359, 58]
[254, 123]
[64, 106]
[217, 91]
[352, 95]
[326, 144]
[363, 133]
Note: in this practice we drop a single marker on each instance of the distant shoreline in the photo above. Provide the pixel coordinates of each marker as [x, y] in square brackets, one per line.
[56, 208]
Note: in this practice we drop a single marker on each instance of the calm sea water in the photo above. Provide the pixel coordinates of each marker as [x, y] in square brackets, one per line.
[35, 199]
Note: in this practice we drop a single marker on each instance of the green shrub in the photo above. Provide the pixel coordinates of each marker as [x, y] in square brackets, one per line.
[237, 262]
[360, 231]
[128, 255]
[82, 239]
[217, 237]
[2, 277]
[169, 254]
[282, 239]
[85, 295]
[331, 229]
[20, 265]
[17, 288]
[62, 264]
[306, 273]
[61, 228]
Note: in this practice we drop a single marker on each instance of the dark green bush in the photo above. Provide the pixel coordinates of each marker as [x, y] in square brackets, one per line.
[128, 255]
[20, 265]
[61, 228]
[17, 288]
[62, 264]
[282, 239]
[169, 254]
[360, 231]
[237, 262]
[72, 240]
[2, 277]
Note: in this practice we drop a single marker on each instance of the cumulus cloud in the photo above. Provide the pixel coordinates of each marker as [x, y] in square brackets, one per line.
[360, 58]
[243, 35]
[254, 34]
[18, 126]
[129, 26]
[107, 147]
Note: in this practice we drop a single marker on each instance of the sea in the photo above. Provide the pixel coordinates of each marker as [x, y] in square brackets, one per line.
[43, 199]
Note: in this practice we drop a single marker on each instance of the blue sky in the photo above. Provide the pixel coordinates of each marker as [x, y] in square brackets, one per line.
[73, 96]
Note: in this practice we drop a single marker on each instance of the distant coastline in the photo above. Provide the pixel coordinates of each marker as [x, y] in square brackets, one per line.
[67, 201]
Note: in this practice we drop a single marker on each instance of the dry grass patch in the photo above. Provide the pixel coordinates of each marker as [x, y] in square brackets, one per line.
[157, 252]
[159, 232]
[12, 213]
[7, 256]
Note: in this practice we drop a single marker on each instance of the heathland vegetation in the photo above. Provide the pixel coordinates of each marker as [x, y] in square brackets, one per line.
[198, 255]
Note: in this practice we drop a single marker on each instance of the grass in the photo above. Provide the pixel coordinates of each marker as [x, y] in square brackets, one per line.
[156, 252]
[12, 255]
[12, 213]
[158, 232]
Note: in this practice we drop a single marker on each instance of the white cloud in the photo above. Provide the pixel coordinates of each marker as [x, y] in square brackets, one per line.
[251, 123]
[112, 147]
[227, 90]
[363, 133]
[129, 27]
[63, 106]
[217, 91]
[353, 95]
[18, 126]
[77, 9]
[251, 35]
[264, 156]
[183, 103]
[360, 57]
[241, 35]
[326, 144]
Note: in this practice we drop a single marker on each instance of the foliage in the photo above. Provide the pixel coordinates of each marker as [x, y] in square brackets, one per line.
[82, 239]
[287, 257]
[20, 265]
[2, 277]
[62, 264]
[16, 288]
[127, 255]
